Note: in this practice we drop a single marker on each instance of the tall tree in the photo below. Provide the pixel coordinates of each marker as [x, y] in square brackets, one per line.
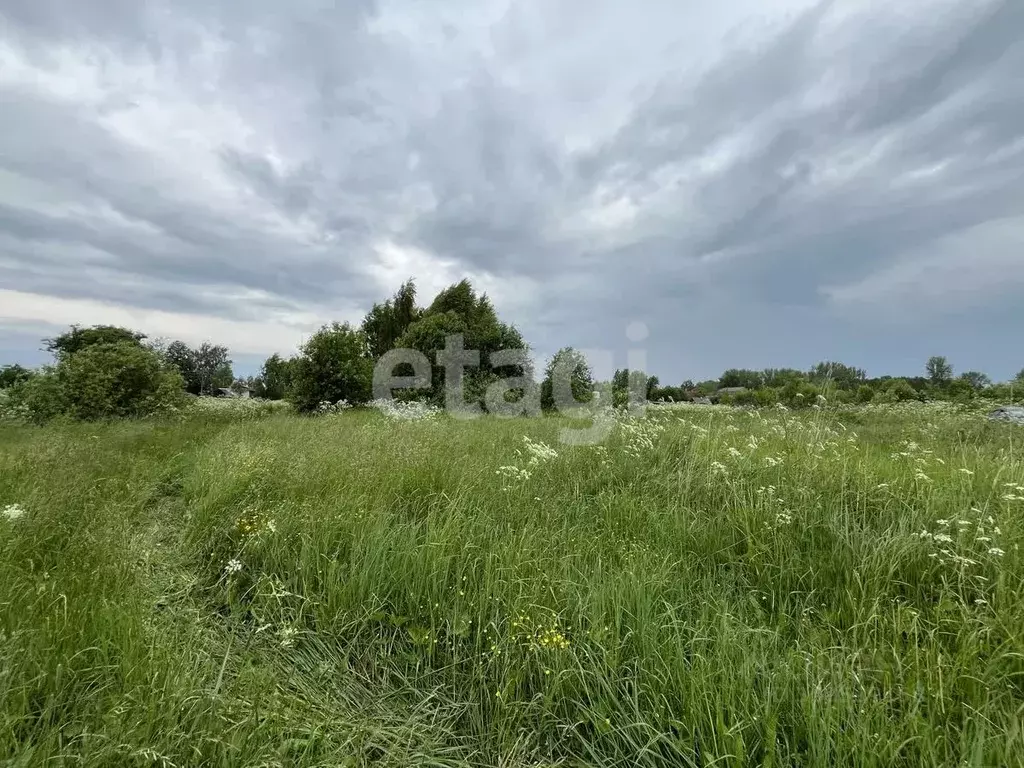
[567, 372]
[385, 323]
[939, 371]
[204, 369]
[457, 310]
[181, 357]
[276, 376]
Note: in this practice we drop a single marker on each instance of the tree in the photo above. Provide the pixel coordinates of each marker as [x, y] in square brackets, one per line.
[457, 310]
[841, 375]
[204, 369]
[276, 377]
[334, 366]
[1019, 378]
[11, 375]
[122, 379]
[213, 368]
[739, 377]
[182, 358]
[780, 377]
[901, 391]
[977, 380]
[385, 323]
[567, 365]
[78, 338]
[939, 371]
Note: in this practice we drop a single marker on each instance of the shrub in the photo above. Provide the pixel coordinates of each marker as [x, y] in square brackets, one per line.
[37, 400]
[865, 394]
[900, 391]
[116, 380]
[100, 381]
[334, 366]
[569, 365]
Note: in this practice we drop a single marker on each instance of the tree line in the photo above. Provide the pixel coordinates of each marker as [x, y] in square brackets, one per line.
[108, 371]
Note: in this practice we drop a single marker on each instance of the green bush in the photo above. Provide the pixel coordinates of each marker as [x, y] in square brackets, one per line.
[865, 394]
[38, 399]
[117, 380]
[101, 381]
[900, 391]
[333, 367]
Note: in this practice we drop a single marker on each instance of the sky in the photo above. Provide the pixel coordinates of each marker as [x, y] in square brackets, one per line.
[758, 183]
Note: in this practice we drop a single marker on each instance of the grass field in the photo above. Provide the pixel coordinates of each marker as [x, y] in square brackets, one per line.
[709, 588]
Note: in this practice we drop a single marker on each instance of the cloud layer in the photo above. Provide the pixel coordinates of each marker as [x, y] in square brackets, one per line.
[770, 183]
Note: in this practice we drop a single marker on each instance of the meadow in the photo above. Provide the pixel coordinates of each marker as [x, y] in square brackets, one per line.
[708, 587]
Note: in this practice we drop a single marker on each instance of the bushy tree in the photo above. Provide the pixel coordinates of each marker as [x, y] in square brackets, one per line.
[570, 365]
[780, 377]
[203, 369]
[385, 323]
[976, 380]
[630, 386]
[838, 374]
[116, 380]
[939, 371]
[740, 377]
[39, 398]
[457, 310]
[901, 391]
[333, 366]
[13, 374]
[78, 338]
[276, 377]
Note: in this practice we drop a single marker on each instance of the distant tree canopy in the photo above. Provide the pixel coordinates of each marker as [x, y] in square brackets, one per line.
[939, 371]
[838, 374]
[276, 377]
[96, 365]
[976, 380]
[739, 377]
[385, 323]
[457, 310]
[567, 368]
[78, 338]
[13, 374]
[204, 369]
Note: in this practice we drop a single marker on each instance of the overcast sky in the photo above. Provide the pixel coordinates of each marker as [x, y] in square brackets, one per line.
[759, 182]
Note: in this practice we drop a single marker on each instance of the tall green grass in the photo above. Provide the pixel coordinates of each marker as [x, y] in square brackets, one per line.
[709, 587]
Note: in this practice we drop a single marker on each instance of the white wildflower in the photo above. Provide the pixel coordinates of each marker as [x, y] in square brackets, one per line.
[13, 512]
[287, 635]
[996, 551]
[233, 566]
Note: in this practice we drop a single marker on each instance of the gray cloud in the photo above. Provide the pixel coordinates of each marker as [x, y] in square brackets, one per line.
[779, 174]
